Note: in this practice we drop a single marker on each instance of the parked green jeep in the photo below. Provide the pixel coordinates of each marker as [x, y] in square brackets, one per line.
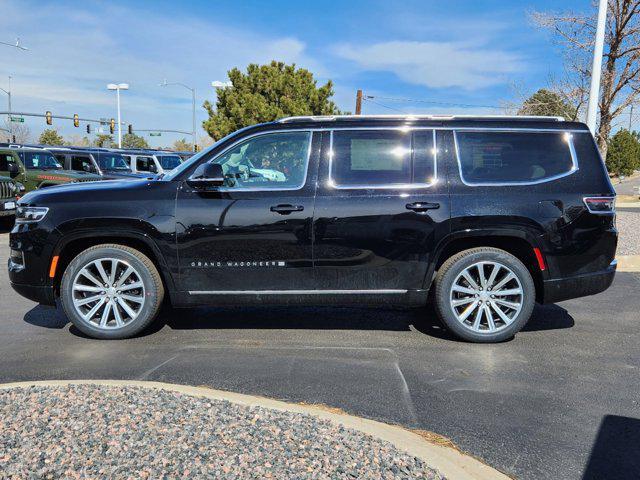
[37, 168]
[8, 193]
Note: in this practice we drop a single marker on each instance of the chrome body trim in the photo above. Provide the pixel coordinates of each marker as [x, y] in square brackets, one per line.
[324, 118]
[572, 151]
[299, 292]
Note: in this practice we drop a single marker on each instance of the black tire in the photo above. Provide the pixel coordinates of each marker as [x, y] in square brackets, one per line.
[454, 266]
[144, 268]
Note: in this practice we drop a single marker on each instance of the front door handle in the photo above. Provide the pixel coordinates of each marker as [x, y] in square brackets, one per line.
[422, 206]
[286, 209]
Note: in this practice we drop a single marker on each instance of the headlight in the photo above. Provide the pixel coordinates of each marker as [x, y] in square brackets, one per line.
[21, 188]
[30, 214]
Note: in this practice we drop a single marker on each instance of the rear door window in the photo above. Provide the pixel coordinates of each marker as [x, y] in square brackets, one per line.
[143, 164]
[513, 157]
[82, 164]
[382, 158]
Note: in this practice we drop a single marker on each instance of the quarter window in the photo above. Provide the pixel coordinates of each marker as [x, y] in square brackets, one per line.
[375, 158]
[275, 160]
[513, 157]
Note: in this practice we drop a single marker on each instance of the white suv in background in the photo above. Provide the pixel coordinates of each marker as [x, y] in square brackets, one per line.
[151, 161]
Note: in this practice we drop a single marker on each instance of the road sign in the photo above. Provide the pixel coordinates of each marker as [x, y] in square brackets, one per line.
[155, 134]
[17, 119]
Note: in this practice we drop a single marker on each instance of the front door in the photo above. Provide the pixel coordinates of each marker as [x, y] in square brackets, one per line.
[381, 208]
[252, 235]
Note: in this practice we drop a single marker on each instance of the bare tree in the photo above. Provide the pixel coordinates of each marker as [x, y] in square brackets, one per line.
[621, 68]
[20, 131]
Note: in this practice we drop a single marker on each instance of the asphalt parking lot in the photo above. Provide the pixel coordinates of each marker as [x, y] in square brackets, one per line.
[561, 400]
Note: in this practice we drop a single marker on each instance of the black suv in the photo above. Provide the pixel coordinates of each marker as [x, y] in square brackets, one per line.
[489, 215]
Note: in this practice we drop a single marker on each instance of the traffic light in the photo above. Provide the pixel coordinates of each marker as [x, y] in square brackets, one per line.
[195, 148]
[88, 128]
[112, 126]
[49, 117]
[76, 120]
[130, 129]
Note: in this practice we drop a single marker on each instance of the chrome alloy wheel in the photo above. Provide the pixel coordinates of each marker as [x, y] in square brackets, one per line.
[108, 293]
[486, 297]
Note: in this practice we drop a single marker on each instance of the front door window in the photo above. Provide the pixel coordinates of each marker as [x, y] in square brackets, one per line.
[271, 161]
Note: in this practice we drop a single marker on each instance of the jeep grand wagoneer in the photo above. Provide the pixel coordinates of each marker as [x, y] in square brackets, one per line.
[488, 215]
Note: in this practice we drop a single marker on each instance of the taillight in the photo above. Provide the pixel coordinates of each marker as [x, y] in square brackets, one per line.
[600, 205]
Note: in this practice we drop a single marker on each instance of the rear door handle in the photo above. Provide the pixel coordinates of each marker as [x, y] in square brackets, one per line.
[422, 206]
[286, 209]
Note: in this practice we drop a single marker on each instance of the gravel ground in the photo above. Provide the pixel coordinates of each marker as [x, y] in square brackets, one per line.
[628, 223]
[88, 431]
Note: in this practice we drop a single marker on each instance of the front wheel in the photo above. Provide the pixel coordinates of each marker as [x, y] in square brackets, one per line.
[111, 291]
[484, 295]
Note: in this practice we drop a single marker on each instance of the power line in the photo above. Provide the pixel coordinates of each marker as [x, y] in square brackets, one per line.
[433, 102]
[368, 99]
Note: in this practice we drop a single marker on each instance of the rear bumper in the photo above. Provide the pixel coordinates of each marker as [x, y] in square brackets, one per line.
[38, 293]
[556, 290]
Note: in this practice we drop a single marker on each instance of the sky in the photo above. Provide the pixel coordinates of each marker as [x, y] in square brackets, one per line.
[455, 56]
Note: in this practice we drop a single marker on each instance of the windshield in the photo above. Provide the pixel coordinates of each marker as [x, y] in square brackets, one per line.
[169, 162]
[112, 161]
[40, 161]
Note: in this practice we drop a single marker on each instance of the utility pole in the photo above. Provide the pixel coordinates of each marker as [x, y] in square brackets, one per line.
[596, 70]
[359, 102]
[631, 116]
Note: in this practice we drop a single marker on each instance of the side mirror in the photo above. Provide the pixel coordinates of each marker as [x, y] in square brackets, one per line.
[207, 175]
[153, 168]
[13, 169]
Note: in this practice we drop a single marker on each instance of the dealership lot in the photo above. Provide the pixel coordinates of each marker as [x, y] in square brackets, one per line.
[559, 398]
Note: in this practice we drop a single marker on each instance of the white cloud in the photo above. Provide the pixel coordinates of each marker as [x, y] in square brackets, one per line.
[436, 64]
[75, 51]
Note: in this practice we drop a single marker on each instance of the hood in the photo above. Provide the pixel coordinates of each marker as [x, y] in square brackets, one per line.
[75, 192]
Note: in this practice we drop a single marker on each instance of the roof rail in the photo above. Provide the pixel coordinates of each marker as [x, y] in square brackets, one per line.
[329, 118]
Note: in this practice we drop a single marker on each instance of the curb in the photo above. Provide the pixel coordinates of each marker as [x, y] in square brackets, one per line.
[448, 461]
[628, 263]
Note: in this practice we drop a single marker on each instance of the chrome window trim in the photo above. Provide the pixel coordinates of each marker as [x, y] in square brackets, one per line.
[451, 128]
[572, 151]
[298, 292]
[309, 131]
[391, 186]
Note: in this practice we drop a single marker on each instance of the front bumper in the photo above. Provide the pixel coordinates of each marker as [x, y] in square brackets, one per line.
[557, 290]
[43, 295]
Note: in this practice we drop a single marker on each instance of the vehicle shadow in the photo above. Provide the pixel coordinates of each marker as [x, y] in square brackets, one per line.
[616, 452]
[423, 320]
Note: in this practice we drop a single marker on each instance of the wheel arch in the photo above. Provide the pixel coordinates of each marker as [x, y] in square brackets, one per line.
[70, 246]
[516, 242]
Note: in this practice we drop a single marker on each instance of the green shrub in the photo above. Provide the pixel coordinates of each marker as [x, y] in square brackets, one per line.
[623, 154]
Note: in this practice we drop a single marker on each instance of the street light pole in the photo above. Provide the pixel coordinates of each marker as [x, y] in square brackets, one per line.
[596, 70]
[8, 92]
[117, 87]
[193, 108]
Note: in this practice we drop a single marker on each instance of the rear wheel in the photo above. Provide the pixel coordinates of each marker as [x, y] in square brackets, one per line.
[484, 295]
[111, 291]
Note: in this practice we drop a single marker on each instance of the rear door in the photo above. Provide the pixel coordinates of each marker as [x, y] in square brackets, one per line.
[381, 208]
